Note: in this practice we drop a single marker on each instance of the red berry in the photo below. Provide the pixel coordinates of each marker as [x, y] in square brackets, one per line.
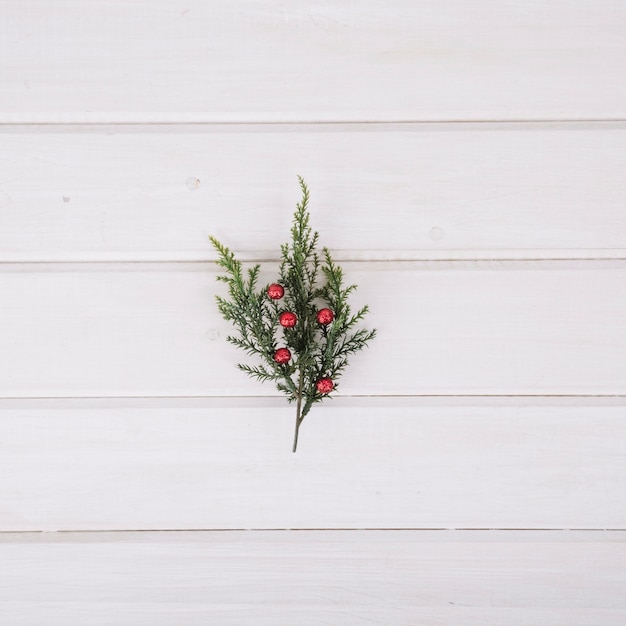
[275, 291]
[324, 385]
[282, 356]
[325, 316]
[288, 319]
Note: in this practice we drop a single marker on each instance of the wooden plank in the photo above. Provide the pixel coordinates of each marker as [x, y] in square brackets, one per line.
[215, 467]
[445, 328]
[343, 578]
[377, 192]
[266, 60]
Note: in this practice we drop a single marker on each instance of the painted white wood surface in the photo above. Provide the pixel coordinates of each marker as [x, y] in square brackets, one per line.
[312, 60]
[406, 191]
[210, 466]
[266, 83]
[319, 578]
[445, 328]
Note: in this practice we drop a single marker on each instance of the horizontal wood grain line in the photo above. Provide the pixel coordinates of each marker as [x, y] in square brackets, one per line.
[54, 260]
[188, 122]
[210, 266]
[429, 467]
[533, 534]
[344, 400]
[159, 613]
[299, 579]
[349, 535]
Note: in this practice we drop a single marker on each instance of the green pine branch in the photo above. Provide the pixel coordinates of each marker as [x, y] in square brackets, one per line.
[318, 352]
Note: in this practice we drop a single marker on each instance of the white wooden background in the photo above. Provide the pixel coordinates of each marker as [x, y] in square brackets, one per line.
[467, 166]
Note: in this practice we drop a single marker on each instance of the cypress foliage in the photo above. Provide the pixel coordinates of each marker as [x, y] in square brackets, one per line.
[325, 332]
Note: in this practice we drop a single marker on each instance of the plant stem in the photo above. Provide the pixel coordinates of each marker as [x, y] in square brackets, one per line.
[298, 411]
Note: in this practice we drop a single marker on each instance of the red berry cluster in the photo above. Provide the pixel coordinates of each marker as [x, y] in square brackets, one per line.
[287, 319]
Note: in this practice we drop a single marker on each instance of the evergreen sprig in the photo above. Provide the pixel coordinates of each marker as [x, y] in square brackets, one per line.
[325, 333]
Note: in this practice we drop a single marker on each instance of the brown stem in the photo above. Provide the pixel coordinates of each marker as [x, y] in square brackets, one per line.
[298, 411]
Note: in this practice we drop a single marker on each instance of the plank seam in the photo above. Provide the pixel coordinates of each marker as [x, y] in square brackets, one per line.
[399, 260]
[16, 121]
[345, 396]
[308, 529]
